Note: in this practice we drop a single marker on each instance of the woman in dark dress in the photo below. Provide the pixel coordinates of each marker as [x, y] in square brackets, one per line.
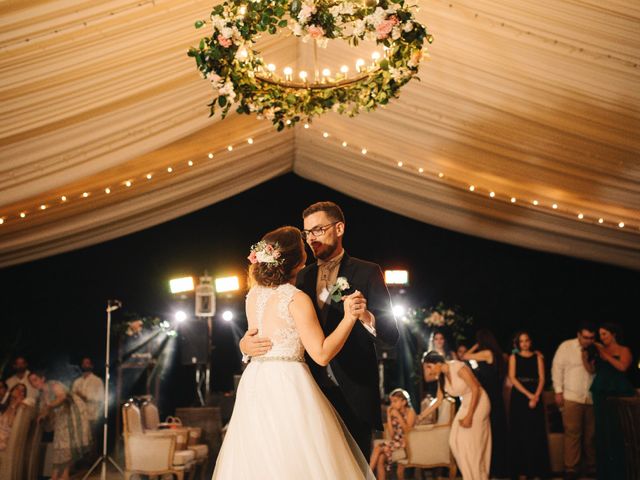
[611, 380]
[487, 362]
[527, 427]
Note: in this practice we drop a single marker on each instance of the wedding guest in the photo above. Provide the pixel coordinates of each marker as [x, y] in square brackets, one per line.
[487, 363]
[401, 417]
[470, 437]
[438, 343]
[528, 433]
[21, 369]
[572, 373]
[90, 388]
[71, 438]
[9, 411]
[611, 366]
[461, 349]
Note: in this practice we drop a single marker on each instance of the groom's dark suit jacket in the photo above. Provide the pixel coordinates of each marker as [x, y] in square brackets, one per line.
[355, 367]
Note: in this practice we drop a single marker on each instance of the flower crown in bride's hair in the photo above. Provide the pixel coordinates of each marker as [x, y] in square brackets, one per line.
[263, 252]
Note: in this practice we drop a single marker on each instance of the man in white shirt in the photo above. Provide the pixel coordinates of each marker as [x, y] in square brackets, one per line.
[21, 367]
[572, 373]
[90, 388]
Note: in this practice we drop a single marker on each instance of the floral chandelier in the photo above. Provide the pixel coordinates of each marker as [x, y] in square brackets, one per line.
[240, 76]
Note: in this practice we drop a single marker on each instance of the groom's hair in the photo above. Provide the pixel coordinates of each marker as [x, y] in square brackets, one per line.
[333, 211]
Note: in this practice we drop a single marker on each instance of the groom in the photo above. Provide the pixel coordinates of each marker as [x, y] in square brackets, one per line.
[350, 382]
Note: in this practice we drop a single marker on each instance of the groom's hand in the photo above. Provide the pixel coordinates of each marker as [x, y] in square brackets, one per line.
[361, 312]
[252, 345]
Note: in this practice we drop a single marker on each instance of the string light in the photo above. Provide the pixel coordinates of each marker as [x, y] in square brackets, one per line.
[344, 143]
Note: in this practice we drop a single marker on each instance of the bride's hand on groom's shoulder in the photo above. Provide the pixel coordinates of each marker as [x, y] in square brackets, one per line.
[253, 345]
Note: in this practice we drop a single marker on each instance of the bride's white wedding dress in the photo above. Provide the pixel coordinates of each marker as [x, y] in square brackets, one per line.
[282, 426]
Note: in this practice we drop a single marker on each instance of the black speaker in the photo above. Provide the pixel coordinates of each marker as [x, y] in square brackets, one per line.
[193, 338]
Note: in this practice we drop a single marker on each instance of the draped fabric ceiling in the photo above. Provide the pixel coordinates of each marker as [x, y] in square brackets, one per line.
[531, 100]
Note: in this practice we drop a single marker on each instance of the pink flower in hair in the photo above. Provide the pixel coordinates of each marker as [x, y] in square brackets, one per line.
[252, 257]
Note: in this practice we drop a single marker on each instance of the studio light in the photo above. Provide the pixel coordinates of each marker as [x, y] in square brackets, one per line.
[179, 285]
[396, 277]
[399, 311]
[227, 284]
[227, 315]
[180, 316]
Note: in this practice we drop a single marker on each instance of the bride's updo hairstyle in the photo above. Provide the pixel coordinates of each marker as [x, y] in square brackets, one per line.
[288, 242]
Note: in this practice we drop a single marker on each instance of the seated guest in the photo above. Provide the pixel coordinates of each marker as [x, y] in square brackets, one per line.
[21, 367]
[71, 437]
[90, 388]
[8, 412]
[400, 419]
[611, 366]
[470, 437]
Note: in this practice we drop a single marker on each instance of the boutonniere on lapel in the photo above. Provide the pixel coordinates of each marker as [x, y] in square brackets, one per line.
[337, 291]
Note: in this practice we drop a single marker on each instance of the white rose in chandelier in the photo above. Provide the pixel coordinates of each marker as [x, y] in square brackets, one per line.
[215, 79]
[227, 91]
[226, 32]
[307, 9]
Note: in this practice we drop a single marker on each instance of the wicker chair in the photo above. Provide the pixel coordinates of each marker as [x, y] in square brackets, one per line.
[152, 453]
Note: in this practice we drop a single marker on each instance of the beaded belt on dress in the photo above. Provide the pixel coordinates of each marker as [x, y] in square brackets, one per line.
[277, 359]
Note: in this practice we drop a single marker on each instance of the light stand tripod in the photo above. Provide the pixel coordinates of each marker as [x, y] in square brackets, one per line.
[112, 305]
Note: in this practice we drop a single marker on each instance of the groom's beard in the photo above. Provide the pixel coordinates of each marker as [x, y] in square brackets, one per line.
[326, 252]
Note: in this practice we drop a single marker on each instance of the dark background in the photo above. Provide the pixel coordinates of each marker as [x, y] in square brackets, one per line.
[53, 309]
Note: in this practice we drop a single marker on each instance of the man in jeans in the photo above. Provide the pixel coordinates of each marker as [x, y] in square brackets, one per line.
[572, 372]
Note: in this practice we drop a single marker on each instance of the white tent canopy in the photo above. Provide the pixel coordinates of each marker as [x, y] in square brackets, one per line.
[535, 101]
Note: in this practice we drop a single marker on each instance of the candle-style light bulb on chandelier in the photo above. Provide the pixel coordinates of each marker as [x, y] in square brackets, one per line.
[240, 76]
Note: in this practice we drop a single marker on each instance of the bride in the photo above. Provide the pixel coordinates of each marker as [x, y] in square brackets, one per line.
[282, 426]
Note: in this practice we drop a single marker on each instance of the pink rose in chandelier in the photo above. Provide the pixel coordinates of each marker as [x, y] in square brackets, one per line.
[315, 32]
[384, 27]
[225, 42]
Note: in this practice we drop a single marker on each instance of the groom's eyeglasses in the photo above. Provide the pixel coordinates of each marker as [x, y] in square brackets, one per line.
[317, 231]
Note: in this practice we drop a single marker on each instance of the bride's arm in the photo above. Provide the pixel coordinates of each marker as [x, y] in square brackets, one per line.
[321, 349]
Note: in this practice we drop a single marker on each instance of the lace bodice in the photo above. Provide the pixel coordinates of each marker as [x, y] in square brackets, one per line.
[268, 309]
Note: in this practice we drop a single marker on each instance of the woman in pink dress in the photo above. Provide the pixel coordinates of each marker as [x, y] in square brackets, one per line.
[470, 438]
